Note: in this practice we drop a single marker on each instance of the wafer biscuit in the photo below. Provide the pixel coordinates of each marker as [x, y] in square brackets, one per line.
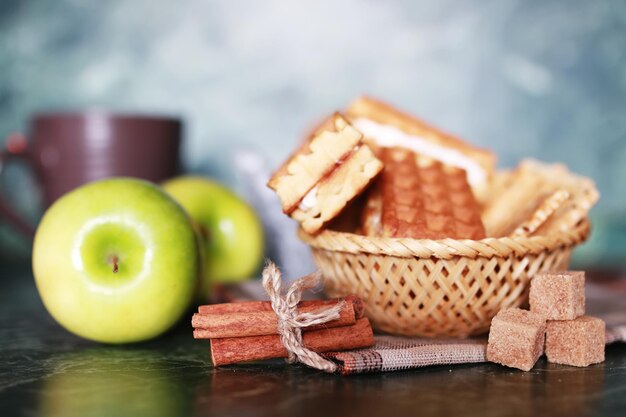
[323, 175]
[372, 210]
[315, 159]
[540, 214]
[538, 199]
[583, 196]
[422, 198]
[525, 191]
[388, 127]
[499, 182]
[335, 191]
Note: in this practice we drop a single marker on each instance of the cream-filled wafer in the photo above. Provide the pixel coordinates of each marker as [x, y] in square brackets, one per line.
[388, 127]
[328, 171]
[333, 192]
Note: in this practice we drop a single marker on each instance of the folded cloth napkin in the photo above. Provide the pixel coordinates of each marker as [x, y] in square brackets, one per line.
[394, 353]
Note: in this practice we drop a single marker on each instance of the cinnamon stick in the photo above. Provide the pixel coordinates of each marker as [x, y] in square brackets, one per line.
[256, 306]
[244, 349]
[259, 323]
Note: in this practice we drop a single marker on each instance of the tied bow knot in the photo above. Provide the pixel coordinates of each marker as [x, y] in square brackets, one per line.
[291, 322]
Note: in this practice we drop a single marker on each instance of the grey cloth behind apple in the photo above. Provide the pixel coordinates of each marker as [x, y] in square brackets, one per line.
[282, 245]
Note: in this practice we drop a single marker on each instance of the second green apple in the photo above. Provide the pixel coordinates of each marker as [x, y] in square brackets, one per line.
[230, 230]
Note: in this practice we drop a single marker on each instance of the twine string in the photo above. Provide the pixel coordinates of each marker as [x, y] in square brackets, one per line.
[291, 322]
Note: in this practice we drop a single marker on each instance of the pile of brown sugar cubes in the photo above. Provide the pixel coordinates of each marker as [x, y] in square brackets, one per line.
[556, 320]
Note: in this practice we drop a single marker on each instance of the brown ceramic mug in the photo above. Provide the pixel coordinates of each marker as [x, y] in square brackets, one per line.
[67, 150]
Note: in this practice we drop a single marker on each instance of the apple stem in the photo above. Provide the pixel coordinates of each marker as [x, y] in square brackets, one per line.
[204, 233]
[114, 261]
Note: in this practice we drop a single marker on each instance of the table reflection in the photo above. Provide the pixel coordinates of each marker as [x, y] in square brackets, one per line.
[112, 381]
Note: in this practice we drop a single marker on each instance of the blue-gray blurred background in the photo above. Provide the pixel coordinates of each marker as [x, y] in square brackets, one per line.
[545, 79]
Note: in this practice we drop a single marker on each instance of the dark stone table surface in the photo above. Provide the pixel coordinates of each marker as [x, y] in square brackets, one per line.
[44, 371]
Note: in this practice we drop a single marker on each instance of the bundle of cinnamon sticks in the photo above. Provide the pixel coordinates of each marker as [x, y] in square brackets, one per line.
[247, 331]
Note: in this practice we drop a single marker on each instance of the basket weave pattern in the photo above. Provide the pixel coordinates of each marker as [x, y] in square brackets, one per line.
[437, 288]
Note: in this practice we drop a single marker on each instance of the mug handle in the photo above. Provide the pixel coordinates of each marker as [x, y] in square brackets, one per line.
[15, 147]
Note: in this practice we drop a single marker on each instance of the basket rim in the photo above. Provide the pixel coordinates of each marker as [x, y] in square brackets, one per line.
[335, 241]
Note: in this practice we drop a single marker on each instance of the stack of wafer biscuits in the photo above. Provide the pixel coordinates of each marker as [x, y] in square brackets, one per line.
[537, 199]
[324, 174]
[419, 182]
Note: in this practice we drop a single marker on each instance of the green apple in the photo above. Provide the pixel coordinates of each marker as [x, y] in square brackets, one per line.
[116, 261]
[229, 228]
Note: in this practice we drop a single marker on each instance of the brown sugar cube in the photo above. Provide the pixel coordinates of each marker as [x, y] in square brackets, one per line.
[516, 338]
[578, 342]
[558, 295]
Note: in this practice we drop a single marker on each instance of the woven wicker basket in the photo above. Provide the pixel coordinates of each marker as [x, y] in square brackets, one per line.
[437, 287]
